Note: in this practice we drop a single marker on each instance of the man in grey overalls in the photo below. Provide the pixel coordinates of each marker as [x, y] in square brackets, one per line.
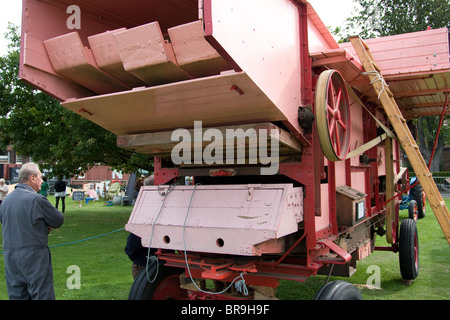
[27, 217]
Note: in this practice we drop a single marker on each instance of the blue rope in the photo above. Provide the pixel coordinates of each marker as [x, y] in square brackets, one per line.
[86, 239]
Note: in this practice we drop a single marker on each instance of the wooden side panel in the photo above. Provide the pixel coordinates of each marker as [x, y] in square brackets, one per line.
[422, 51]
[193, 52]
[36, 69]
[145, 54]
[71, 59]
[263, 41]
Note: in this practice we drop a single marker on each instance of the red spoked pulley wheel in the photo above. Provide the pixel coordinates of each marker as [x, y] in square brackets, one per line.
[332, 111]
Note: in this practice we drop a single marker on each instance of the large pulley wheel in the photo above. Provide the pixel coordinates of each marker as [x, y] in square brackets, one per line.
[333, 115]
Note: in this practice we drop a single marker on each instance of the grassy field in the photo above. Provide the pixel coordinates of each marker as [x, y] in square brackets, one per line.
[105, 270]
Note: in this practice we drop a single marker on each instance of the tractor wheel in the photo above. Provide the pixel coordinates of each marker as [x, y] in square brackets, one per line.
[332, 111]
[409, 250]
[424, 202]
[412, 210]
[166, 285]
[419, 196]
[338, 290]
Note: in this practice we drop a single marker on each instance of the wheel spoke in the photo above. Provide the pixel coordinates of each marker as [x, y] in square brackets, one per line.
[338, 99]
[332, 125]
[330, 109]
[331, 94]
[342, 124]
[337, 142]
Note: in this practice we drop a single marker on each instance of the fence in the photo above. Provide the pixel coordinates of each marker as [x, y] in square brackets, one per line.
[443, 184]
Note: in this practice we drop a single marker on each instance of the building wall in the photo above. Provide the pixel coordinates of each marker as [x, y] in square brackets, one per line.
[100, 173]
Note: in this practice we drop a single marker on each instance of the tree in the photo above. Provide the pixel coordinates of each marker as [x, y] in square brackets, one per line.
[36, 125]
[379, 18]
[375, 18]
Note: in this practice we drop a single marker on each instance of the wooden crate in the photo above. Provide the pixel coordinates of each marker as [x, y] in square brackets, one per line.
[350, 206]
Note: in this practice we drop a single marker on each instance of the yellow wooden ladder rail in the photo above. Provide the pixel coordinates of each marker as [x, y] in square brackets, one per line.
[404, 135]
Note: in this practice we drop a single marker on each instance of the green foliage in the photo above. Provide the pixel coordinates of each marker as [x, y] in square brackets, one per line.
[36, 125]
[377, 18]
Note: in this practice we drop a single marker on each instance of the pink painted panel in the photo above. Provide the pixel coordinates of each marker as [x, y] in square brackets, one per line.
[221, 219]
[265, 44]
[423, 51]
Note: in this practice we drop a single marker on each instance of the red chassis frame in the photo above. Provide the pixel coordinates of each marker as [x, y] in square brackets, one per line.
[267, 271]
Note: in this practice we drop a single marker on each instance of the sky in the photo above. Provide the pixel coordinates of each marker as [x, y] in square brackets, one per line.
[332, 12]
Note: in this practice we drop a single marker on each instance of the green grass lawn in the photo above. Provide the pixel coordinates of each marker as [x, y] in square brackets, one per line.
[105, 270]
[432, 283]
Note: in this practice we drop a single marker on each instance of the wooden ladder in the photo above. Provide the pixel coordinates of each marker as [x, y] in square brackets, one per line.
[404, 135]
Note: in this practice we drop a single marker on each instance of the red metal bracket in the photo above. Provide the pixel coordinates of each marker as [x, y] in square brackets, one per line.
[163, 175]
[344, 255]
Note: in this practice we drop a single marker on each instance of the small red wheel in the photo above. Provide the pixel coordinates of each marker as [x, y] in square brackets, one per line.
[333, 115]
[169, 288]
[165, 286]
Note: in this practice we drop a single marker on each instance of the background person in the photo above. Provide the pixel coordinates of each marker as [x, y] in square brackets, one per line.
[134, 249]
[3, 190]
[27, 217]
[44, 187]
[60, 193]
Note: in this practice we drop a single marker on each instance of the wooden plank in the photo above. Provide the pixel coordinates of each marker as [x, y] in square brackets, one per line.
[194, 54]
[146, 54]
[106, 54]
[390, 188]
[212, 100]
[160, 143]
[71, 59]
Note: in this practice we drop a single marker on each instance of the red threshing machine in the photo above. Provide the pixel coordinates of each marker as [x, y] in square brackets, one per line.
[291, 139]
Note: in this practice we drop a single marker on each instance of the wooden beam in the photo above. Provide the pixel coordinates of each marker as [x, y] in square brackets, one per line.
[194, 54]
[146, 54]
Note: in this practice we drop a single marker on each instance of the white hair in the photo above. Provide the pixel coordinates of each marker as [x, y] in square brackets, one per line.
[28, 169]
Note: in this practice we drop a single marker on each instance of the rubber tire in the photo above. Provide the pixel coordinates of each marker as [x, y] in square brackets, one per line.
[411, 210]
[338, 290]
[416, 194]
[424, 202]
[409, 250]
[142, 289]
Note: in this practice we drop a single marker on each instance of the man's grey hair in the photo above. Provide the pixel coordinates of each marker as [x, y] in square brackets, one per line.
[28, 169]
